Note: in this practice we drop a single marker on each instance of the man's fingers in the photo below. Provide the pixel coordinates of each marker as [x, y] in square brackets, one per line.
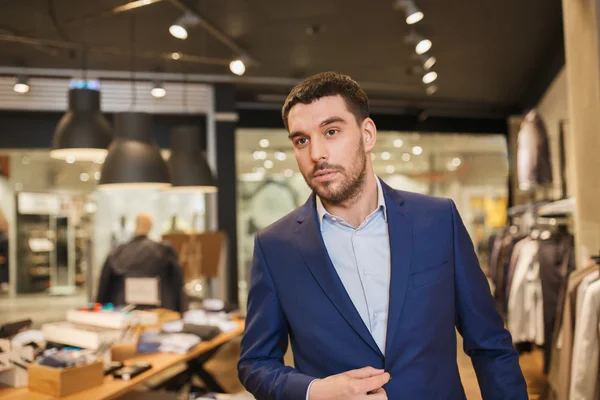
[373, 383]
[365, 372]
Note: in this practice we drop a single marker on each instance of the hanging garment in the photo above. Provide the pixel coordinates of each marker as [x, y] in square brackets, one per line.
[508, 244]
[581, 290]
[564, 335]
[533, 153]
[513, 264]
[525, 304]
[584, 366]
[557, 261]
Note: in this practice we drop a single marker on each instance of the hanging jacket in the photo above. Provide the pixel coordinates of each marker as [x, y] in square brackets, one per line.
[533, 154]
[142, 258]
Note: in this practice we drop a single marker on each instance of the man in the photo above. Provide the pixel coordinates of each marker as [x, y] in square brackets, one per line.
[142, 258]
[366, 279]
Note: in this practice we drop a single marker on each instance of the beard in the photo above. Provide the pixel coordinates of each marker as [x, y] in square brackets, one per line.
[349, 187]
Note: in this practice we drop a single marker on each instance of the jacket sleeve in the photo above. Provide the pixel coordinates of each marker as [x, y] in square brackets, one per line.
[489, 345]
[261, 369]
[105, 283]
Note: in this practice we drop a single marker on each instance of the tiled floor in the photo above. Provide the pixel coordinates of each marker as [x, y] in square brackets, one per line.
[43, 308]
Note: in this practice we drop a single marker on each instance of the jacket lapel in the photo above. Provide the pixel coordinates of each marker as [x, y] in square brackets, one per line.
[401, 243]
[309, 240]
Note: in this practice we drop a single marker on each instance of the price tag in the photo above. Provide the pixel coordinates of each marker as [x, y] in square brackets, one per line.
[143, 291]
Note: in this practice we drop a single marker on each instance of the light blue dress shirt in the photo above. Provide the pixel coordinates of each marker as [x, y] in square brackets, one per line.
[361, 257]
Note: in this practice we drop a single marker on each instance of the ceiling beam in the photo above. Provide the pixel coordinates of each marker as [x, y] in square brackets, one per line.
[113, 50]
[215, 32]
[43, 49]
[132, 5]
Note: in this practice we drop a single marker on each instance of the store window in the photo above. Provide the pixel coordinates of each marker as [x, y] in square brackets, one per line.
[470, 169]
[60, 226]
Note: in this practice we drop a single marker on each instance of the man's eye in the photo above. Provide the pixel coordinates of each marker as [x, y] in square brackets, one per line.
[301, 141]
[331, 132]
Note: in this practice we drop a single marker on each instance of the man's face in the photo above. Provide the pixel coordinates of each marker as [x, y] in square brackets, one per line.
[331, 147]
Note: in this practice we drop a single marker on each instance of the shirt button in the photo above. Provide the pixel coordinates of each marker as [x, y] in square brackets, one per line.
[366, 272]
[375, 315]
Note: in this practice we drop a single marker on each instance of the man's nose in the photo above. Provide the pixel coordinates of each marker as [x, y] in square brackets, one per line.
[318, 151]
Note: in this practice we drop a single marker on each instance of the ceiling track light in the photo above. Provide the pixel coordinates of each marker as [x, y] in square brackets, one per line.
[21, 85]
[428, 61]
[430, 77]
[158, 90]
[421, 44]
[180, 27]
[238, 66]
[431, 89]
[413, 13]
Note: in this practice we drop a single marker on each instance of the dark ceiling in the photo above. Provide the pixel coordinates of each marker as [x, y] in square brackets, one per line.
[493, 56]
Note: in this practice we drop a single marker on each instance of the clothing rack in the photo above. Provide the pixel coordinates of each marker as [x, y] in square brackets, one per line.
[556, 208]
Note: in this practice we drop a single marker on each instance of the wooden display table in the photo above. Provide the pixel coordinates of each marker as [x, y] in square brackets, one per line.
[113, 388]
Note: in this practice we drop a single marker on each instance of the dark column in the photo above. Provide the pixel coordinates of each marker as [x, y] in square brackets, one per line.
[226, 122]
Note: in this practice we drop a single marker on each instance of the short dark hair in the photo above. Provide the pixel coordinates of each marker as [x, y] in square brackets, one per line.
[328, 84]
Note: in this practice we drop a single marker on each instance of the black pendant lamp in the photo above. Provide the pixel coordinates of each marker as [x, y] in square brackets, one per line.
[134, 159]
[82, 133]
[188, 166]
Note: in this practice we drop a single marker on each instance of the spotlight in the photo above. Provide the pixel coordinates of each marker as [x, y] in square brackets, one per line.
[417, 150]
[390, 169]
[430, 77]
[422, 45]
[413, 13]
[176, 55]
[237, 67]
[158, 91]
[398, 143]
[21, 85]
[180, 28]
[431, 90]
[264, 143]
[429, 61]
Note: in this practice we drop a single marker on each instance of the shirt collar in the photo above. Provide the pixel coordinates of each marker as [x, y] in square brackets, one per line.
[321, 211]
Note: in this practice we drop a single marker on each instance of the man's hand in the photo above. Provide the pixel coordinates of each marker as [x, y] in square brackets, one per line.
[365, 383]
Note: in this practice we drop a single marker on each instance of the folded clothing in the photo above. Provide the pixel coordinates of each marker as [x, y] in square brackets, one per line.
[178, 343]
[205, 332]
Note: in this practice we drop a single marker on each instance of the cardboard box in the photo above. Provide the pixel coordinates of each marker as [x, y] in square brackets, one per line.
[59, 382]
[122, 352]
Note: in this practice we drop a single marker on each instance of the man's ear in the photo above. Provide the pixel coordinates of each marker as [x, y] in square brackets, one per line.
[369, 133]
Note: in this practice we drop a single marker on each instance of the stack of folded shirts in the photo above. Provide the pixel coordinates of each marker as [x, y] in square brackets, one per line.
[201, 317]
[179, 343]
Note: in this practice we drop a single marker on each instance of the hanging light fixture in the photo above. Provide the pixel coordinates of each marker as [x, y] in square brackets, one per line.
[21, 85]
[413, 13]
[179, 29]
[83, 133]
[158, 90]
[187, 165]
[134, 159]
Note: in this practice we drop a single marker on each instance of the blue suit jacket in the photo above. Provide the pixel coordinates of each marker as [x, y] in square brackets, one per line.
[436, 286]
